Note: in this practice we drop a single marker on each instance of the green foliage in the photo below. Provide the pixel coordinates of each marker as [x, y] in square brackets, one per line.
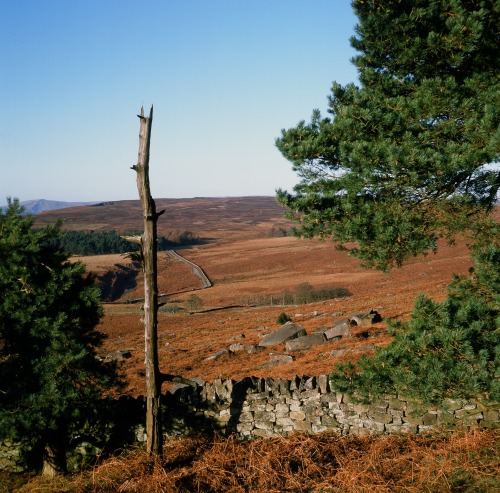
[447, 350]
[283, 318]
[404, 158]
[50, 378]
[279, 232]
[194, 303]
[105, 242]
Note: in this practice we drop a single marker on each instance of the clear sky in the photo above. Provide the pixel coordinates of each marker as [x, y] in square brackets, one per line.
[224, 76]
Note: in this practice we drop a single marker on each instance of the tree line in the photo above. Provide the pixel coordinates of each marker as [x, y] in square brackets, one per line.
[302, 294]
[106, 242]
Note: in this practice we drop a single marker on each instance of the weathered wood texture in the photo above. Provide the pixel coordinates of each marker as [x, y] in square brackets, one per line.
[149, 266]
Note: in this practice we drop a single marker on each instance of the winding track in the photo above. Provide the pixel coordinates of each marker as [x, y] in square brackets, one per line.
[197, 270]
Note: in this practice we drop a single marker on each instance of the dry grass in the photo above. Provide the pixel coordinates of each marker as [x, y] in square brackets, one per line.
[460, 461]
[241, 261]
[265, 266]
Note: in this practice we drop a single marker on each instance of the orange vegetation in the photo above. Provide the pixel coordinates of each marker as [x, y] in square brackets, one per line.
[244, 270]
[461, 461]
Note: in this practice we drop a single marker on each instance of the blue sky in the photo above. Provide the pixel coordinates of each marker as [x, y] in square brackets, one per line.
[224, 76]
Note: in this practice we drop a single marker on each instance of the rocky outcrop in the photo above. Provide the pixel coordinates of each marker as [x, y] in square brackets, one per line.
[295, 338]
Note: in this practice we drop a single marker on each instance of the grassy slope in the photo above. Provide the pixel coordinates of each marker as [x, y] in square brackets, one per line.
[240, 263]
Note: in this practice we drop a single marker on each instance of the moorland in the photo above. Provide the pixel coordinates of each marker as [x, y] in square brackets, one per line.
[250, 265]
[250, 269]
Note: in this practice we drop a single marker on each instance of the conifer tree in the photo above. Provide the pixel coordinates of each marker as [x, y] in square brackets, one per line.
[448, 349]
[50, 379]
[407, 155]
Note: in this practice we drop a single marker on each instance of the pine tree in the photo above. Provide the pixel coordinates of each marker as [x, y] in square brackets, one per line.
[406, 156]
[50, 379]
[448, 349]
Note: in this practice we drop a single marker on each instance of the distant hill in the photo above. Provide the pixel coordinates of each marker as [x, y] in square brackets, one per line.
[206, 217]
[41, 205]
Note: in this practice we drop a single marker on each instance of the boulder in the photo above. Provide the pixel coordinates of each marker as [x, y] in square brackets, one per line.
[338, 352]
[117, 355]
[337, 331]
[305, 342]
[254, 349]
[372, 317]
[218, 354]
[237, 347]
[284, 333]
[281, 358]
[276, 359]
[321, 330]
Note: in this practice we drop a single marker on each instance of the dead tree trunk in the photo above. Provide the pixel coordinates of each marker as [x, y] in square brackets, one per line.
[149, 266]
[148, 242]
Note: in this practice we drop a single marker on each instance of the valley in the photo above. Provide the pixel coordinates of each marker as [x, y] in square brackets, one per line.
[247, 266]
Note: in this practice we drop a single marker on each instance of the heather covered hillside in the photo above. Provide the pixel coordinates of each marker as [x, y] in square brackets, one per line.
[250, 273]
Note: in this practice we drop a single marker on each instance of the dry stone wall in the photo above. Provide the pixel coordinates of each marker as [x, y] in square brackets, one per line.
[254, 407]
[264, 407]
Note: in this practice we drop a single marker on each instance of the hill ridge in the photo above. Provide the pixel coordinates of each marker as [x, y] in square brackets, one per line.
[206, 217]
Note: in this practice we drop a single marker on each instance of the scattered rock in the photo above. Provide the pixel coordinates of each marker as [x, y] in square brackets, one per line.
[254, 349]
[335, 353]
[238, 337]
[116, 356]
[284, 333]
[334, 338]
[338, 331]
[372, 317]
[236, 347]
[281, 358]
[305, 342]
[218, 354]
[295, 338]
[268, 364]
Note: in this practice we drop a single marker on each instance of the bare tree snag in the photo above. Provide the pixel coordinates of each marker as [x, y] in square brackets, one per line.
[148, 241]
[149, 266]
